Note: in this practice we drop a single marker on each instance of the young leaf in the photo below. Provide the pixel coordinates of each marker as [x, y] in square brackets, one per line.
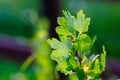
[61, 53]
[96, 69]
[81, 23]
[103, 57]
[62, 66]
[55, 44]
[73, 77]
[64, 45]
[62, 22]
[61, 58]
[62, 31]
[84, 43]
[94, 77]
[73, 62]
[69, 21]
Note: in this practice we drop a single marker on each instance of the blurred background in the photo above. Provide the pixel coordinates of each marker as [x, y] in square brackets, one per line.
[26, 24]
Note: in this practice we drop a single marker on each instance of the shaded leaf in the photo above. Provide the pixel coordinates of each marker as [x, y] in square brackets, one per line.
[80, 74]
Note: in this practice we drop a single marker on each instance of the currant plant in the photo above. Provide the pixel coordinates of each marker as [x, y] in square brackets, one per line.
[72, 51]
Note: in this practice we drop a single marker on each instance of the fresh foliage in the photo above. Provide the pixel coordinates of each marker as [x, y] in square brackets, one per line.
[72, 51]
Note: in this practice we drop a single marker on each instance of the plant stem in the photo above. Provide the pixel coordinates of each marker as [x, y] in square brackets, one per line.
[79, 58]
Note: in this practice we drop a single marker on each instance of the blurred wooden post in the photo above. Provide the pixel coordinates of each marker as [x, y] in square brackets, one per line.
[51, 11]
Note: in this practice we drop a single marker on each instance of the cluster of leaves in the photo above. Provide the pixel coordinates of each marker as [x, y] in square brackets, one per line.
[72, 51]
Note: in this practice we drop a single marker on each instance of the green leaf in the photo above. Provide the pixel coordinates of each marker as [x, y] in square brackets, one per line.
[84, 43]
[80, 14]
[61, 53]
[93, 40]
[54, 43]
[64, 45]
[62, 66]
[62, 31]
[103, 58]
[81, 23]
[95, 67]
[69, 21]
[61, 58]
[73, 62]
[88, 63]
[80, 73]
[94, 77]
[93, 58]
[73, 77]
[62, 22]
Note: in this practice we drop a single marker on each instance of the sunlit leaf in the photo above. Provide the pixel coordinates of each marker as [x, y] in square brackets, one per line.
[73, 77]
[61, 53]
[103, 57]
[62, 31]
[81, 24]
[84, 43]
